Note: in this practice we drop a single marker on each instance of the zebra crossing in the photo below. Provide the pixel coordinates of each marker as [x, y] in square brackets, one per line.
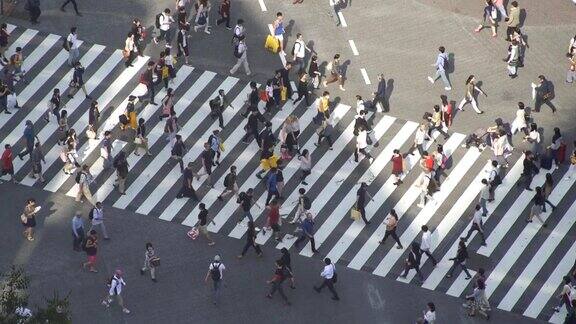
[524, 262]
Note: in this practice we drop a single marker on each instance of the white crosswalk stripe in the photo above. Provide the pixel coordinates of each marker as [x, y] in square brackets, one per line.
[527, 266]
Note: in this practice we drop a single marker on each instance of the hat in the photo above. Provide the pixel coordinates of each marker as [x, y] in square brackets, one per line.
[216, 257]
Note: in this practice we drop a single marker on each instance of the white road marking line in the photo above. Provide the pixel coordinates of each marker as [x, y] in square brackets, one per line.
[353, 47]
[323, 231]
[342, 20]
[82, 123]
[193, 152]
[460, 283]
[160, 159]
[522, 241]
[431, 207]
[262, 5]
[379, 198]
[365, 76]
[24, 39]
[434, 278]
[153, 136]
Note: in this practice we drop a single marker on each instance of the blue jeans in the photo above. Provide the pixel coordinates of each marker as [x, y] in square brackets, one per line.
[247, 214]
[483, 204]
[216, 293]
[442, 74]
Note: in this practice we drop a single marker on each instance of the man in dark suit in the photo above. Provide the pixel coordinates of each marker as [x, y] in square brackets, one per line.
[413, 261]
[380, 94]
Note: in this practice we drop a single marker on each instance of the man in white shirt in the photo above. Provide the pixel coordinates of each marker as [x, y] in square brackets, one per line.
[494, 178]
[329, 276]
[240, 53]
[73, 44]
[476, 226]
[239, 31]
[165, 21]
[116, 284]
[216, 271]
[419, 137]
[299, 53]
[97, 219]
[425, 244]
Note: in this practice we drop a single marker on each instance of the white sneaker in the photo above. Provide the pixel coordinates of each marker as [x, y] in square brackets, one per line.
[431, 80]
[447, 88]
[420, 205]
[126, 311]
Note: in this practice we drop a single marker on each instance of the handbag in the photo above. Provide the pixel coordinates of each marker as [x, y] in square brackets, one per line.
[494, 13]
[222, 147]
[355, 213]
[193, 233]
[138, 141]
[73, 84]
[125, 53]
[24, 219]
[155, 261]
[284, 94]
[90, 133]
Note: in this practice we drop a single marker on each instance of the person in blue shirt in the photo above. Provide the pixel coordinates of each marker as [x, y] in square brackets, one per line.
[307, 227]
[272, 185]
[29, 137]
[440, 65]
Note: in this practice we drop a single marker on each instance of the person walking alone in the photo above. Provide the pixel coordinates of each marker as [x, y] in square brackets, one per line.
[116, 285]
[240, 52]
[121, 165]
[441, 64]
[91, 249]
[280, 275]
[187, 177]
[202, 224]
[78, 233]
[307, 227]
[151, 261]
[413, 261]
[74, 4]
[469, 96]
[77, 82]
[361, 201]
[476, 226]
[460, 260]
[251, 234]
[216, 271]
[72, 45]
[329, 278]
[391, 222]
[96, 216]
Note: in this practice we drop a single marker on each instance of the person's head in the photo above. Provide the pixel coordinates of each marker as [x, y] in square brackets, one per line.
[78, 214]
[4, 26]
[424, 154]
[141, 121]
[206, 146]
[31, 201]
[167, 11]
[179, 138]
[85, 167]
[299, 36]
[288, 65]
[217, 258]
[73, 30]
[274, 202]
[557, 131]
[273, 170]
[190, 165]
[462, 244]
[440, 148]
[130, 35]
[305, 152]
[494, 163]
[314, 58]
[268, 124]
[107, 134]
[251, 224]
[326, 94]
[337, 57]
[93, 232]
[520, 105]
[477, 207]
[380, 76]
[436, 108]
[7, 146]
[424, 228]
[301, 191]
[514, 4]
[63, 113]
[240, 22]
[567, 279]
[98, 204]
[393, 213]
[431, 306]
[202, 206]
[538, 190]
[441, 49]
[470, 79]
[514, 42]
[284, 250]
[253, 85]
[250, 191]
[396, 151]
[136, 22]
[444, 100]
[541, 78]
[327, 261]
[415, 246]
[279, 15]
[533, 127]
[484, 181]
[149, 246]
[29, 123]
[358, 97]
[118, 273]
[549, 177]
[233, 169]
[37, 144]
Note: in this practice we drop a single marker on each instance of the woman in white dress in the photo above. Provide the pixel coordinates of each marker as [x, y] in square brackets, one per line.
[519, 123]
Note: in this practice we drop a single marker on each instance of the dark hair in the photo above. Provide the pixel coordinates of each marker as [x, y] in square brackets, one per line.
[441, 49]
[444, 99]
[514, 3]
[327, 261]
[73, 30]
[141, 121]
[424, 228]
[148, 245]
[202, 206]
[278, 14]
[301, 191]
[431, 306]
[520, 105]
[240, 21]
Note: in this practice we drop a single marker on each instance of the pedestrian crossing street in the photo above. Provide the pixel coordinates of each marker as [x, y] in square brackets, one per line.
[524, 262]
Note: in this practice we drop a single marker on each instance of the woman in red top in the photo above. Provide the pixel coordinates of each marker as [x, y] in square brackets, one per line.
[397, 166]
[274, 218]
[7, 166]
[446, 111]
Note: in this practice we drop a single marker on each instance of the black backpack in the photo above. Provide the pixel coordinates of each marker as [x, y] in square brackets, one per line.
[237, 54]
[215, 271]
[228, 180]
[157, 21]
[66, 44]
[306, 202]
[78, 174]
[497, 179]
[91, 214]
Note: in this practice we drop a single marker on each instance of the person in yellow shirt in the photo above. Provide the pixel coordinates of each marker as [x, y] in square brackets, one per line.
[324, 105]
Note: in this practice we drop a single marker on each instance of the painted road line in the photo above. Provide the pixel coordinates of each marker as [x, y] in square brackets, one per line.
[379, 198]
[449, 221]
[460, 283]
[160, 159]
[292, 167]
[353, 47]
[97, 167]
[50, 129]
[365, 76]
[21, 41]
[41, 77]
[212, 195]
[262, 5]
[426, 213]
[323, 231]
[550, 288]
[230, 142]
[522, 241]
[441, 269]
[156, 133]
[194, 150]
[407, 200]
[515, 211]
[225, 213]
[342, 20]
[82, 123]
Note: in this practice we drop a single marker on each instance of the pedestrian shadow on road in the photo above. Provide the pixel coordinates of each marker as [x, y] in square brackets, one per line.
[451, 65]
[344, 68]
[288, 30]
[522, 18]
[312, 51]
[388, 94]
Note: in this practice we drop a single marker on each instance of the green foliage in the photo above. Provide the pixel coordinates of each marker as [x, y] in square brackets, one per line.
[57, 311]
